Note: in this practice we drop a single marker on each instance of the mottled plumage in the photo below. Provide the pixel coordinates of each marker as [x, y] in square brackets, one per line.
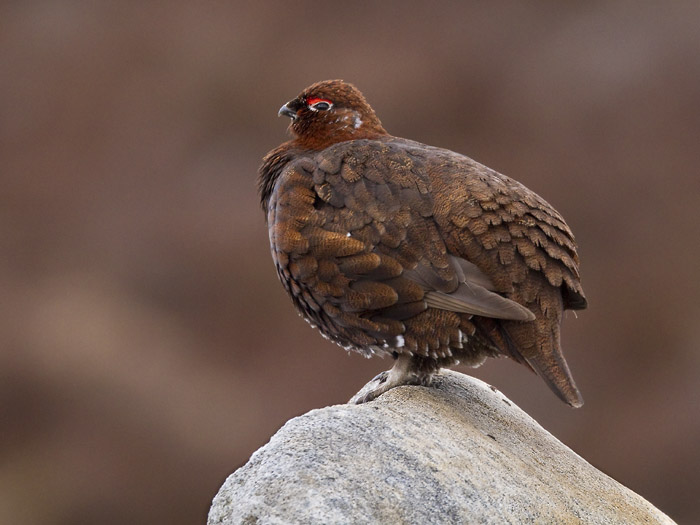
[389, 246]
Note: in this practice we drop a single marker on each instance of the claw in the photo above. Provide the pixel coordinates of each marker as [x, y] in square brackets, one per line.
[404, 372]
[381, 377]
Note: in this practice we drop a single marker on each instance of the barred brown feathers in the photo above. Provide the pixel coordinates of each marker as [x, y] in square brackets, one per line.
[389, 246]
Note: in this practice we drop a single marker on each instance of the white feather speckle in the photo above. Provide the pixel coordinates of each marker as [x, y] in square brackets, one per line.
[348, 234]
[400, 341]
[358, 123]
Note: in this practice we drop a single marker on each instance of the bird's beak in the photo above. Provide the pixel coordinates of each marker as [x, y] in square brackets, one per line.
[286, 111]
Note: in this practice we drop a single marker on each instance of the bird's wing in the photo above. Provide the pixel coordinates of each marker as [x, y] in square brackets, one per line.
[473, 294]
[389, 243]
[507, 230]
[355, 241]
[524, 247]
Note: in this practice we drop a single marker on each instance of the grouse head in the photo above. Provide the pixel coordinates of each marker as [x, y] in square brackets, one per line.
[329, 112]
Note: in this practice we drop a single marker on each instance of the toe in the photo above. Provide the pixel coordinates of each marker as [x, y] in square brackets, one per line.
[381, 377]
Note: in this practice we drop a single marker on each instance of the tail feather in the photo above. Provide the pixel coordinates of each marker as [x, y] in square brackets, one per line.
[555, 372]
[538, 345]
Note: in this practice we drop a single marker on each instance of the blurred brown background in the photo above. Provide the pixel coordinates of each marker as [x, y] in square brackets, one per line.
[146, 347]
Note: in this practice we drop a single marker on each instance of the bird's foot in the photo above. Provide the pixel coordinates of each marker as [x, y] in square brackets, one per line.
[404, 372]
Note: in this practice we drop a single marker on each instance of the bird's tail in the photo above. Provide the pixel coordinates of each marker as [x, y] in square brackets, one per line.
[551, 366]
[535, 344]
[538, 345]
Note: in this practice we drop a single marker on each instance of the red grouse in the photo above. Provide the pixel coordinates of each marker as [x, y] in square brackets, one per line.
[389, 246]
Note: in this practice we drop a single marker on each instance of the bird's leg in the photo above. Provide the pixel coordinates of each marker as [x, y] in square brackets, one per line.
[407, 370]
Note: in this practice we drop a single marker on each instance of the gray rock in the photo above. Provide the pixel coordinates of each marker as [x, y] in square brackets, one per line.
[457, 452]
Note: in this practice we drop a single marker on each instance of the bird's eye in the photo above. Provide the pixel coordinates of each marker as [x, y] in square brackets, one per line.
[319, 104]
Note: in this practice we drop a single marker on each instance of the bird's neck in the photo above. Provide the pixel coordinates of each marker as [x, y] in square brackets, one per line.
[321, 142]
[340, 127]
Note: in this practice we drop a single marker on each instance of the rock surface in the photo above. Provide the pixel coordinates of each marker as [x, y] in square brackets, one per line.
[457, 452]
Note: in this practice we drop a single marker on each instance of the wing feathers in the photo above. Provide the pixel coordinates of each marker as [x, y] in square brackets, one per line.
[477, 300]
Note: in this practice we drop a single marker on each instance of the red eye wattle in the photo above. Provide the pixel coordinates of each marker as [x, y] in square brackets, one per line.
[318, 104]
[315, 100]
